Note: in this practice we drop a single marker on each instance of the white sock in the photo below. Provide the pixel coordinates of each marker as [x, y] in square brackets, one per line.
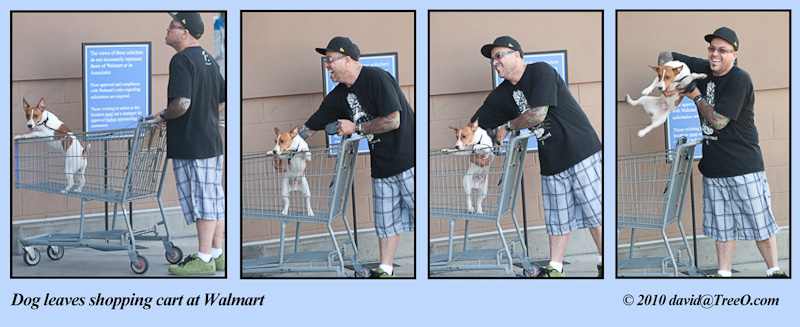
[387, 268]
[772, 270]
[215, 253]
[557, 265]
[204, 256]
[600, 258]
[724, 273]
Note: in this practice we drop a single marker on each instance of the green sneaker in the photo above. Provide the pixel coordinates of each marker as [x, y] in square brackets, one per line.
[600, 270]
[219, 263]
[379, 273]
[549, 272]
[779, 274]
[716, 275]
[193, 266]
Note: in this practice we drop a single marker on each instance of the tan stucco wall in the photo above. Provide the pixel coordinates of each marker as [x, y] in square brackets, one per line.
[46, 62]
[460, 80]
[763, 52]
[282, 85]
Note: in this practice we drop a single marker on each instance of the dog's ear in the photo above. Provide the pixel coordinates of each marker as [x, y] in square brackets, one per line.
[677, 70]
[454, 128]
[42, 104]
[474, 125]
[655, 68]
[294, 131]
[25, 104]
[277, 131]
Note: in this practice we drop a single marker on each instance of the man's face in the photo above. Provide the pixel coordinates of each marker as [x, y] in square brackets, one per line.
[174, 33]
[720, 60]
[337, 67]
[505, 62]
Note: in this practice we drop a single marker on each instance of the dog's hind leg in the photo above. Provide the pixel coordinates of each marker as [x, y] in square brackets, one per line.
[285, 194]
[468, 191]
[307, 192]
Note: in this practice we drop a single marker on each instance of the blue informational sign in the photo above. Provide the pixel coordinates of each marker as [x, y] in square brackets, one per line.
[557, 59]
[387, 61]
[684, 120]
[116, 84]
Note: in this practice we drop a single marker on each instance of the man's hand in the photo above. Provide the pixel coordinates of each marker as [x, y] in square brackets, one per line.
[346, 127]
[502, 132]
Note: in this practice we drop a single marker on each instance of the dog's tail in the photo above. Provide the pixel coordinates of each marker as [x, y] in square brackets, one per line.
[86, 149]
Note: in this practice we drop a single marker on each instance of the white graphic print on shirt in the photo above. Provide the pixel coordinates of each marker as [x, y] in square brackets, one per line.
[359, 115]
[708, 131]
[522, 104]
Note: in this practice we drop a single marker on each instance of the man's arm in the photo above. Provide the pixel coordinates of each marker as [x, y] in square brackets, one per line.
[713, 118]
[664, 57]
[378, 125]
[176, 108]
[305, 132]
[221, 106]
[529, 118]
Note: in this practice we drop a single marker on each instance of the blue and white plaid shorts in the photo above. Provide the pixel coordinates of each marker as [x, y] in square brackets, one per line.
[738, 207]
[573, 198]
[393, 204]
[200, 189]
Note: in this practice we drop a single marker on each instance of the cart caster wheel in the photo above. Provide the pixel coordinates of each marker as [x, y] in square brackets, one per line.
[32, 260]
[140, 266]
[55, 252]
[175, 256]
[701, 274]
[364, 273]
[530, 273]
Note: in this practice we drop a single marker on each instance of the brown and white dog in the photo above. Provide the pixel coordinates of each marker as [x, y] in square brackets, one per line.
[43, 123]
[670, 75]
[474, 138]
[293, 147]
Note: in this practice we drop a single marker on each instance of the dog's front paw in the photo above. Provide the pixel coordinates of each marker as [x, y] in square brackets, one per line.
[471, 209]
[642, 133]
[310, 213]
[701, 76]
[17, 137]
[284, 212]
[64, 190]
[647, 91]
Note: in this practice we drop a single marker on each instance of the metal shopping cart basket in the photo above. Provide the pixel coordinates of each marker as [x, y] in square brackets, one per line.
[447, 200]
[651, 188]
[330, 175]
[123, 165]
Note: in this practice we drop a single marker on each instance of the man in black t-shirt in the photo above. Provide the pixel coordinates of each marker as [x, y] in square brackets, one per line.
[368, 100]
[736, 197]
[196, 94]
[534, 96]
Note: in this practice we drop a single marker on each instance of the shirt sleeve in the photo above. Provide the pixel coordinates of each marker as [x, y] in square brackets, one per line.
[694, 64]
[328, 112]
[544, 89]
[493, 112]
[384, 93]
[180, 78]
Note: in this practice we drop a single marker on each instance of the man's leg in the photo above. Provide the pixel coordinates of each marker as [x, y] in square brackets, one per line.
[558, 245]
[597, 235]
[388, 247]
[769, 250]
[206, 235]
[725, 252]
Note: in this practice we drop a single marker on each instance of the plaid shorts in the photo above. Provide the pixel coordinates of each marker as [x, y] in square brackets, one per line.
[200, 190]
[738, 207]
[573, 198]
[393, 204]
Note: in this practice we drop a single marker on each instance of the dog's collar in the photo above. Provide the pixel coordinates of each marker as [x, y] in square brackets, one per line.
[44, 123]
[682, 78]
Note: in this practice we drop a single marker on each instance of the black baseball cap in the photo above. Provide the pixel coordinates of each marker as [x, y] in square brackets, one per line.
[503, 41]
[343, 45]
[191, 21]
[726, 34]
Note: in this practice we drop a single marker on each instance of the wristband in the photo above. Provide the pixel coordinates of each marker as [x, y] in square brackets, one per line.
[698, 98]
[508, 126]
[358, 128]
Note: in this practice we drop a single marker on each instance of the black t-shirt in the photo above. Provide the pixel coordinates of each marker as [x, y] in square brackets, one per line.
[375, 93]
[194, 74]
[734, 149]
[565, 136]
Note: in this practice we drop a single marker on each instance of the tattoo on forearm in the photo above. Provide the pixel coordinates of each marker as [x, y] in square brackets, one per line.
[530, 118]
[382, 125]
[713, 118]
[305, 132]
[176, 108]
[664, 57]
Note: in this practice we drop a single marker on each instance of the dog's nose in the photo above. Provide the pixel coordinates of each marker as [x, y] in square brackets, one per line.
[661, 88]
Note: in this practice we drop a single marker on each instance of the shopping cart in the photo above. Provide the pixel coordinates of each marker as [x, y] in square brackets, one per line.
[330, 175]
[447, 200]
[651, 188]
[123, 165]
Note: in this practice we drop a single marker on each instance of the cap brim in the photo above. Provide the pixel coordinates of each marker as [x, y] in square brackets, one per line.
[173, 16]
[710, 37]
[323, 50]
[486, 50]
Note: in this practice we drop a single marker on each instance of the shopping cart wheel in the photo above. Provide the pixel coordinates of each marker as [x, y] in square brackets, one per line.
[175, 256]
[55, 252]
[141, 265]
[530, 273]
[32, 260]
[701, 274]
[364, 273]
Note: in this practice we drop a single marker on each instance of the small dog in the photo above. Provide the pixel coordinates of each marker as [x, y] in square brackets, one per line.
[477, 177]
[294, 178]
[43, 123]
[670, 75]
